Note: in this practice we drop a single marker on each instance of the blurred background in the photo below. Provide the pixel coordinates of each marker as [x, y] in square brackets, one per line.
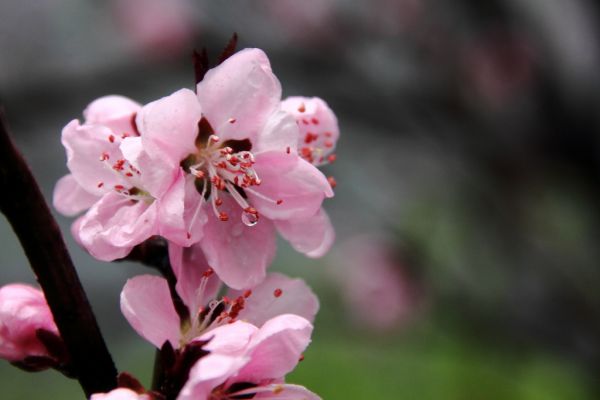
[466, 263]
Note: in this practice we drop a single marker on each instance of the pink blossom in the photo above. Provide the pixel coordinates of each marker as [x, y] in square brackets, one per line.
[258, 370]
[147, 304]
[318, 126]
[120, 394]
[368, 271]
[129, 197]
[157, 28]
[23, 311]
[244, 178]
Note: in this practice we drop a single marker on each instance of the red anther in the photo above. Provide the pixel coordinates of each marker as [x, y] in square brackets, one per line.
[288, 150]
[279, 201]
[118, 166]
[226, 300]
[100, 184]
[328, 143]
[278, 389]
[189, 235]
[314, 121]
[232, 120]
[248, 293]
[331, 158]
[301, 358]
[277, 292]
[104, 156]
[119, 188]
[223, 216]
[251, 210]
[214, 138]
[218, 201]
[306, 152]
[129, 174]
[301, 108]
[208, 273]
[328, 134]
[111, 138]
[332, 181]
[125, 135]
[305, 121]
[310, 137]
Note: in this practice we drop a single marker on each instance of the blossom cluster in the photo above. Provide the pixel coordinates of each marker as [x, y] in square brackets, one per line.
[216, 173]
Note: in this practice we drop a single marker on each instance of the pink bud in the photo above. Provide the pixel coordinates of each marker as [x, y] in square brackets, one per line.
[23, 311]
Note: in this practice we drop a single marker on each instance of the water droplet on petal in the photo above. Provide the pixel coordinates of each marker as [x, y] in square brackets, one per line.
[249, 219]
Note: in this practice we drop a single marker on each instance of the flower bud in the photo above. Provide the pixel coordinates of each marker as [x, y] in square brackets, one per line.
[25, 318]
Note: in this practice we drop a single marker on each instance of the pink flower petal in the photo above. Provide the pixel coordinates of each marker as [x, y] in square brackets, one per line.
[312, 236]
[114, 112]
[284, 391]
[189, 266]
[181, 214]
[277, 295]
[287, 179]
[155, 176]
[279, 134]
[239, 95]
[169, 126]
[276, 348]
[90, 156]
[147, 305]
[69, 198]
[115, 224]
[231, 339]
[208, 373]
[239, 254]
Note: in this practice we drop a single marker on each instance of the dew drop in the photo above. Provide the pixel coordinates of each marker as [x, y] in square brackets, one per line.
[249, 219]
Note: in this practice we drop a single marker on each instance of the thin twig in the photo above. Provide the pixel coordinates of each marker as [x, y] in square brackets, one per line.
[25, 208]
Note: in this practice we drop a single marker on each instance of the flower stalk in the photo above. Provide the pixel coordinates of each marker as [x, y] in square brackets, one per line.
[42, 241]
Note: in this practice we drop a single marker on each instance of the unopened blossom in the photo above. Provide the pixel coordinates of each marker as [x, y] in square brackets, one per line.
[147, 304]
[250, 362]
[244, 177]
[120, 394]
[23, 312]
[128, 198]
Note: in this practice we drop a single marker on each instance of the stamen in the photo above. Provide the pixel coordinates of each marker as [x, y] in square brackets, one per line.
[277, 292]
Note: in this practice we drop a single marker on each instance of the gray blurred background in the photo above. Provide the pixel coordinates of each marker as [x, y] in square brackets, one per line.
[466, 263]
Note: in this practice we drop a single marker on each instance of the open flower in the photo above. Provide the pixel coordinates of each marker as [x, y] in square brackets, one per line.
[243, 173]
[258, 369]
[24, 313]
[129, 197]
[147, 303]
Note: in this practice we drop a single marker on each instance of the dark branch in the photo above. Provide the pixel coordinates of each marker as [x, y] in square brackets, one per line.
[25, 208]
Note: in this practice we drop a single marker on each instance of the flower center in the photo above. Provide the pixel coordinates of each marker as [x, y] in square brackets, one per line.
[223, 167]
[216, 313]
[129, 183]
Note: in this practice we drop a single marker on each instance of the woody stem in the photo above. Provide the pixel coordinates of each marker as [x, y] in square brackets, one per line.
[25, 208]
